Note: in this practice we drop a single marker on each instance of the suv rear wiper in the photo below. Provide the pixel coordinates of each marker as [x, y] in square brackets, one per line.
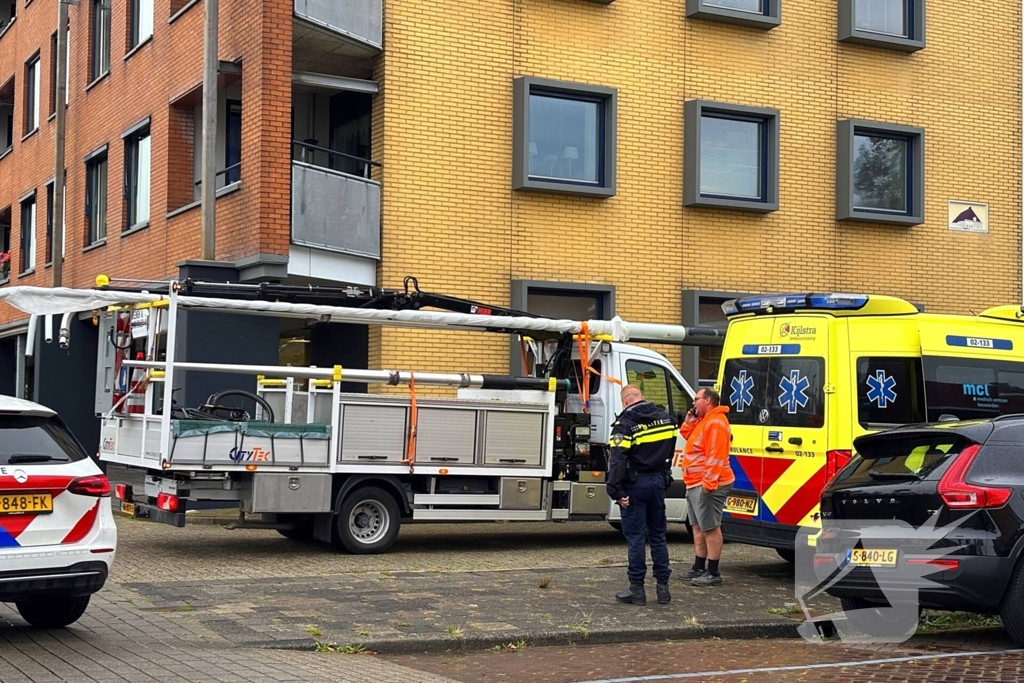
[38, 457]
[875, 474]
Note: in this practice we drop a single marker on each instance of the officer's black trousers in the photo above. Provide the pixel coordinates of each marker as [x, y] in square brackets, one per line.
[644, 521]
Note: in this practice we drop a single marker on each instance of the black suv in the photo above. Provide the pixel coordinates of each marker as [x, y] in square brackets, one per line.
[928, 516]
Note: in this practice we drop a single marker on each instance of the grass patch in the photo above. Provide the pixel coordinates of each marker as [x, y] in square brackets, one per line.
[604, 562]
[314, 631]
[351, 649]
[579, 629]
[364, 634]
[691, 621]
[186, 608]
[511, 647]
[545, 582]
[454, 631]
[787, 610]
[944, 621]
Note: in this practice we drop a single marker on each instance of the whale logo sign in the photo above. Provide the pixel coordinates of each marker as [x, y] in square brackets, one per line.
[968, 216]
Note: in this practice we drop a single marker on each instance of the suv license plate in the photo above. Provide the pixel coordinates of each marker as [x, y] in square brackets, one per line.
[871, 557]
[19, 504]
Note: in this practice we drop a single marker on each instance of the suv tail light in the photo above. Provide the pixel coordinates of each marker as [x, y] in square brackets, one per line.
[834, 461]
[958, 494]
[96, 485]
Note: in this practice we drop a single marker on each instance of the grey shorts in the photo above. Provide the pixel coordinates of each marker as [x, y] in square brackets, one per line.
[704, 510]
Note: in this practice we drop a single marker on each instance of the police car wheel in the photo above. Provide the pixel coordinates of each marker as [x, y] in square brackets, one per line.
[53, 612]
[368, 522]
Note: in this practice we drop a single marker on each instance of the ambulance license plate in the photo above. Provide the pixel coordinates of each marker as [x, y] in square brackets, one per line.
[741, 505]
[128, 508]
[871, 557]
[21, 503]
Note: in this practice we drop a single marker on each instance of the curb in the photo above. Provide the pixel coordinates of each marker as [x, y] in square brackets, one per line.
[439, 644]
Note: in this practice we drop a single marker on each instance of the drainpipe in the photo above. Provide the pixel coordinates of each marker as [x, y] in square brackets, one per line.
[208, 194]
[57, 247]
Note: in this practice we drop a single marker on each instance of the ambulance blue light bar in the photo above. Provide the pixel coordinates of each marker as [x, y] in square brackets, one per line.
[789, 302]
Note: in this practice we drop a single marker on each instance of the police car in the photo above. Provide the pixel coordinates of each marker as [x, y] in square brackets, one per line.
[57, 533]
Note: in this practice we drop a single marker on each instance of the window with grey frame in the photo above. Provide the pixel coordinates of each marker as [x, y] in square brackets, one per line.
[141, 28]
[7, 116]
[880, 172]
[136, 190]
[28, 233]
[731, 156]
[96, 199]
[32, 78]
[763, 14]
[892, 24]
[564, 137]
[559, 300]
[99, 63]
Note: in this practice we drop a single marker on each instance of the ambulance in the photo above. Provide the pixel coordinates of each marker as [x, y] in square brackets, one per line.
[803, 375]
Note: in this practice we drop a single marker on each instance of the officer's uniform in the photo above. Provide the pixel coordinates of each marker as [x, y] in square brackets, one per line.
[643, 444]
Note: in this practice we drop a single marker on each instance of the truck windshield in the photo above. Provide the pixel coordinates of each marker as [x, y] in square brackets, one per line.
[28, 440]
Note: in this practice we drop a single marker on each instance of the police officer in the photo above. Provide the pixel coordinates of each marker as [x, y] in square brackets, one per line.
[643, 443]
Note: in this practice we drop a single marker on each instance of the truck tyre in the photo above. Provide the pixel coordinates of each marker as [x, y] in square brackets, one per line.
[1011, 610]
[55, 612]
[368, 522]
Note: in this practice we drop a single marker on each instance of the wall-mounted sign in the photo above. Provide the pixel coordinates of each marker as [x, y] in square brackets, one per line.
[968, 216]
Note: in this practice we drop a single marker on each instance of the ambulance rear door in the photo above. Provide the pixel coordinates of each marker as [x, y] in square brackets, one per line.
[744, 389]
[795, 433]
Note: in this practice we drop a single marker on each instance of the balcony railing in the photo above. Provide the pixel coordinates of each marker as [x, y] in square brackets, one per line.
[332, 209]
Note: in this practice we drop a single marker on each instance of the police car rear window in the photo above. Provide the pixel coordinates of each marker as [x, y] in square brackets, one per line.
[777, 391]
[30, 440]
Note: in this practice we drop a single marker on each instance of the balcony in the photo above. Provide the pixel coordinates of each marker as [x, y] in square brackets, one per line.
[338, 37]
[334, 210]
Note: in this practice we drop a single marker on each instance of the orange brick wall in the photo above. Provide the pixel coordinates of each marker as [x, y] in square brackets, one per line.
[252, 220]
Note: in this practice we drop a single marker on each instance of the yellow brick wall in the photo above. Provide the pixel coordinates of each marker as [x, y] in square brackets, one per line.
[444, 133]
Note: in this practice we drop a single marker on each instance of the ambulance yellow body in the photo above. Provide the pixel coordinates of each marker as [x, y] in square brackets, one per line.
[805, 374]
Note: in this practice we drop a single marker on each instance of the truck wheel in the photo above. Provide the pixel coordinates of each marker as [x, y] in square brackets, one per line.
[1011, 610]
[55, 612]
[368, 521]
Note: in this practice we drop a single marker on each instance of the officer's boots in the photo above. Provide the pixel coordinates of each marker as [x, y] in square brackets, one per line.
[634, 596]
[664, 597]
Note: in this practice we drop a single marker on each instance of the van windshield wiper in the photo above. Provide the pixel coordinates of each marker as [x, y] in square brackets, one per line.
[875, 474]
[35, 457]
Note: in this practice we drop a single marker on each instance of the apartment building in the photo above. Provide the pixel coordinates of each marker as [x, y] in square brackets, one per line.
[579, 158]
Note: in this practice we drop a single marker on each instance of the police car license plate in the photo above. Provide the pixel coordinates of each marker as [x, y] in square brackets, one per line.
[741, 505]
[871, 557]
[18, 504]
